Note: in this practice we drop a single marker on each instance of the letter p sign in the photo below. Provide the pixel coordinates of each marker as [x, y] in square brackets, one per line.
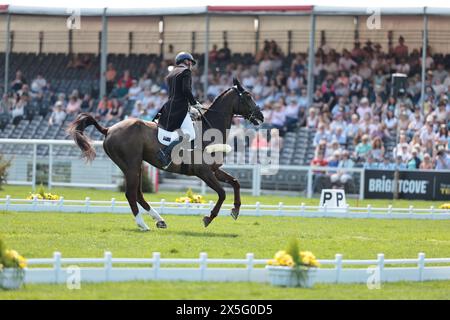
[333, 199]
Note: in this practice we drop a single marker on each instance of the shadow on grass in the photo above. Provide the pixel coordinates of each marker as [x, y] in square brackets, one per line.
[204, 234]
[184, 233]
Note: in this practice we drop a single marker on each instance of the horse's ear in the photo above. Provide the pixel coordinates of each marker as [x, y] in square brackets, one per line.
[238, 85]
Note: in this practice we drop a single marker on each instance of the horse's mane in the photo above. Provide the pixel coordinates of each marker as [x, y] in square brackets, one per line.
[220, 96]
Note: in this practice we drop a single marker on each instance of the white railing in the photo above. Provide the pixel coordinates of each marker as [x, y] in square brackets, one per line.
[104, 170]
[52, 270]
[164, 207]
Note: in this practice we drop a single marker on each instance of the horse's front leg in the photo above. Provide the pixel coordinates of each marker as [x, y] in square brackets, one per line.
[226, 177]
[210, 179]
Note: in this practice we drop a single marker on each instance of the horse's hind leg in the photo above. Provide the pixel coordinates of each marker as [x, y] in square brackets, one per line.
[132, 185]
[226, 177]
[160, 223]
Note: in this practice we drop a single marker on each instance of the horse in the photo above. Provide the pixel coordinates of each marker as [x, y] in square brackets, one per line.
[131, 141]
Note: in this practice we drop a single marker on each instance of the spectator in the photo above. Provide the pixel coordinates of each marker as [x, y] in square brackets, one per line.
[18, 81]
[103, 108]
[312, 120]
[426, 164]
[18, 111]
[341, 176]
[58, 115]
[401, 50]
[442, 160]
[320, 177]
[134, 91]
[115, 112]
[74, 105]
[39, 84]
[399, 164]
[126, 81]
[110, 76]
[363, 149]
[321, 134]
[87, 104]
[414, 161]
[377, 151]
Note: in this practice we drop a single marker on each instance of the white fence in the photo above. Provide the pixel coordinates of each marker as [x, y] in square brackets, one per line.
[103, 173]
[257, 209]
[249, 269]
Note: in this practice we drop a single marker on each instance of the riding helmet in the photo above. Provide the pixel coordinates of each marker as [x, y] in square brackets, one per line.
[184, 56]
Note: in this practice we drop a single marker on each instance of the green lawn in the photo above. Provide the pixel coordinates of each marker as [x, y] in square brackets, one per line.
[89, 235]
[437, 290]
[95, 194]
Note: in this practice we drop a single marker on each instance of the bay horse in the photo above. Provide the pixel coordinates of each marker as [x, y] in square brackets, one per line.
[131, 141]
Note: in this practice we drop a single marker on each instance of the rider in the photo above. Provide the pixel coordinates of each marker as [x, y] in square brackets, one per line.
[175, 110]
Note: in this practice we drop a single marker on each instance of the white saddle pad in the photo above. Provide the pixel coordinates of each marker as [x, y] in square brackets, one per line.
[166, 137]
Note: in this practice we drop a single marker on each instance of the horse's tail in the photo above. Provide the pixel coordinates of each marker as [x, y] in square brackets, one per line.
[75, 130]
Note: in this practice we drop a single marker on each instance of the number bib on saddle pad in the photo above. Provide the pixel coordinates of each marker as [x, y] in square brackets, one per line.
[187, 127]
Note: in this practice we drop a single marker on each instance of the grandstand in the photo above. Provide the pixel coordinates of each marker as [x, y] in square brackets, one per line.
[351, 75]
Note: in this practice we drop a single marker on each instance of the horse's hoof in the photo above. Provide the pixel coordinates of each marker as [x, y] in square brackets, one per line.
[161, 225]
[234, 213]
[144, 229]
[206, 221]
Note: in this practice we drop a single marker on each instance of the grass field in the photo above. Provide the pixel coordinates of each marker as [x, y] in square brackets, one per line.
[89, 235]
[95, 194]
[437, 290]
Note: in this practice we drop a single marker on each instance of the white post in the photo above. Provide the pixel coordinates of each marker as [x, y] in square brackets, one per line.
[380, 263]
[258, 208]
[369, 210]
[57, 265]
[347, 209]
[250, 257]
[280, 208]
[50, 166]
[203, 188]
[156, 264]
[390, 211]
[34, 203]
[338, 258]
[108, 265]
[361, 184]
[186, 207]
[432, 213]
[302, 208]
[203, 265]
[411, 213]
[33, 176]
[113, 204]
[87, 204]
[309, 189]
[61, 204]
[421, 265]
[8, 201]
[161, 207]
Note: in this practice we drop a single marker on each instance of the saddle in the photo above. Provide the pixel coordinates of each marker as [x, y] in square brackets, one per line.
[187, 127]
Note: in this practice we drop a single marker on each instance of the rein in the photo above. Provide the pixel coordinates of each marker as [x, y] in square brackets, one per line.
[250, 117]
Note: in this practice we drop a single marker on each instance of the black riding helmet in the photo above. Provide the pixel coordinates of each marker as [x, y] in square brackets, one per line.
[184, 56]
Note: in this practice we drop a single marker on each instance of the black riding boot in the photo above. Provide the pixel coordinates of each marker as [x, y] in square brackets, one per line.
[164, 154]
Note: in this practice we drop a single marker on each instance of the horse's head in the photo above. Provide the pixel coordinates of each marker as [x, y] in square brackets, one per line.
[246, 106]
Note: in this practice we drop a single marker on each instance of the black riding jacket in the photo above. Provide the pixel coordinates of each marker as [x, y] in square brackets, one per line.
[175, 109]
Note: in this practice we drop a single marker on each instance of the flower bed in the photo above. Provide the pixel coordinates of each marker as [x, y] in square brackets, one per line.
[12, 266]
[292, 267]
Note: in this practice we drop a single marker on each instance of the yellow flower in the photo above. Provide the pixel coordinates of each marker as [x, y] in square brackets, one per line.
[445, 206]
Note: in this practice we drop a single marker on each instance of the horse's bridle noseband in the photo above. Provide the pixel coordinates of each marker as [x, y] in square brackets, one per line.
[251, 115]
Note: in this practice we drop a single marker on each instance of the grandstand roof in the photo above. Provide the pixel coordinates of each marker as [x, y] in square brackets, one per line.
[224, 10]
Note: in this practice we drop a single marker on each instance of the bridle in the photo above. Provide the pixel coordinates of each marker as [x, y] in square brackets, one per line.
[250, 116]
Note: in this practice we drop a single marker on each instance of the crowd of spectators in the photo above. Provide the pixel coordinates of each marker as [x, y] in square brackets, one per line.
[353, 112]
